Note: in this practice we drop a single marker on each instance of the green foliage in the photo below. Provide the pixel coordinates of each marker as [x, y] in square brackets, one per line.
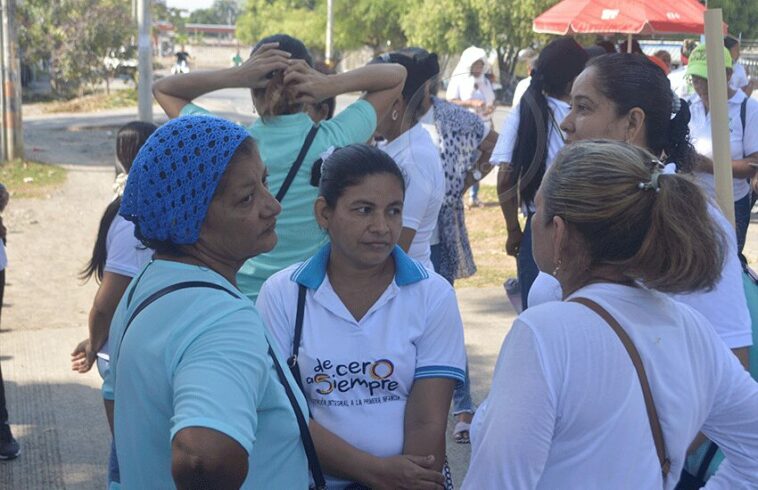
[221, 12]
[169, 14]
[741, 15]
[73, 37]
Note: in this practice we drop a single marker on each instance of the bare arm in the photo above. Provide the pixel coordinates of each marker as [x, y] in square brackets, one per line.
[470, 103]
[406, 238]
[205, 458]
[340, 459]
[483, 164]
[426, 418]
[741, 169]
[103, 307]
[508, 197]
[175, 92]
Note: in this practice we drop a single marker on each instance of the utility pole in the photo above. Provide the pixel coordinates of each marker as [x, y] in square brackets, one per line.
[13, 135]
[145, 61]
[329, 27]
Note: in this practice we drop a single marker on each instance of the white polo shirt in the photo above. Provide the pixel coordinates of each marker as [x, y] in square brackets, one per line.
[418, 158]
[725, 306]
[739, 77]
[357, 375]
[743, 143]
[506, 141]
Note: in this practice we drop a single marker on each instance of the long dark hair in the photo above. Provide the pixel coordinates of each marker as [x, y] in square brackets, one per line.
[421, 66]
[557, 66]
[129, 140]
[632, 80]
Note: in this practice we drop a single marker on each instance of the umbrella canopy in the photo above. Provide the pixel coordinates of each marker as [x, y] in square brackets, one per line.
[622, 16]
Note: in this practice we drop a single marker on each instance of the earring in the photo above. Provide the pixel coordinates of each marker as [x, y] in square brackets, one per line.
[557, 268]
[395, 115]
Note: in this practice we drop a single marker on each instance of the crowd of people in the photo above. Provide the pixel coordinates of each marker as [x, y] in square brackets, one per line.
[276, 305]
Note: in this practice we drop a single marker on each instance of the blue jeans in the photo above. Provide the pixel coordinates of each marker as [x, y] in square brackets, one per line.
[475, 191]
[742, 220]
[526, 266]
[462, 401]
[114, 475]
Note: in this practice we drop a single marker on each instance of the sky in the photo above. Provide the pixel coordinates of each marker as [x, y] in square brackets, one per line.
[189, 4]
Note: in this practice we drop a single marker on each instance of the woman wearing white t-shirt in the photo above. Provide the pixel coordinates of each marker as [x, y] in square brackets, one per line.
[743, 138]
[411, 147]
[740, 79]
[567, 407]
[116, 258]
[529, 140]
[381, 340]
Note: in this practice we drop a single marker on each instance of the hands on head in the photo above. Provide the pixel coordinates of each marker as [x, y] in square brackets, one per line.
[308, 84]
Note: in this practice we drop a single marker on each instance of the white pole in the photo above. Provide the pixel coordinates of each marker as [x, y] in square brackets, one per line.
[717, 105]
[629, 43]
[145, 61]
[329, 27]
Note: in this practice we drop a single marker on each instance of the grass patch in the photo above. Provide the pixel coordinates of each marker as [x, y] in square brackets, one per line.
[90, 103]
[30, 179]
[486, 231]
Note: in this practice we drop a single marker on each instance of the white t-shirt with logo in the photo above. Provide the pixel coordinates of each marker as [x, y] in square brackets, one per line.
[506, 141]
[357, 375]
[566, 409]
[742, 143]
[418, 158]
[725, 306]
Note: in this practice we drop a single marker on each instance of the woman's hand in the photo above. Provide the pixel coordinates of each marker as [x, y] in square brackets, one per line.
[83, 357]
[513, 242]
[407, 472]
[309, 86]
[256, 71]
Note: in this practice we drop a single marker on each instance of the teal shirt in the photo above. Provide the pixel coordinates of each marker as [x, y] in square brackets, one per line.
[198, 357]
[279, 140]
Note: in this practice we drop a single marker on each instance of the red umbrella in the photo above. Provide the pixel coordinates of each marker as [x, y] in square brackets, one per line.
[622, 16]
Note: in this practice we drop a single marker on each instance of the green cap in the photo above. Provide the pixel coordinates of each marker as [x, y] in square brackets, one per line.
[698, 62]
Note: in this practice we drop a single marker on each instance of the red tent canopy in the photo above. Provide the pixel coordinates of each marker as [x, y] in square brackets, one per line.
[622, 16]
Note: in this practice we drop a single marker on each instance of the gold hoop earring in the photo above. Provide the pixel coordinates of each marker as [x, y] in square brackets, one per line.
[395, 115]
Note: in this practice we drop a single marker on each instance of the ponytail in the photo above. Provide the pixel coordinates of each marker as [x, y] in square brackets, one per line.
[677, 147]
[529, 159]
[96, 265]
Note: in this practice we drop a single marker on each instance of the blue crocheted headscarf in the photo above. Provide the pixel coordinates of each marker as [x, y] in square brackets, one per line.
[174, 176]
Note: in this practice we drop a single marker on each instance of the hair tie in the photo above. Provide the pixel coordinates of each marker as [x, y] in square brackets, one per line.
[327, 153]
[653, 184]
[119, 185]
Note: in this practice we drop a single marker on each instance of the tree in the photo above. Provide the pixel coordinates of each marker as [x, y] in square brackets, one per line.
[741, 15]
[356, 23]
[73, 38]
[221, 12]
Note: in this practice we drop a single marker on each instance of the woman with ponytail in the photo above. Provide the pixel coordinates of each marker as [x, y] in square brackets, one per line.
[607, 388]
[528, 142]
[284, 85]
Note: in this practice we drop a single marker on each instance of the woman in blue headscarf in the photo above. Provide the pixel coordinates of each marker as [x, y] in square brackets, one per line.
[200, 398]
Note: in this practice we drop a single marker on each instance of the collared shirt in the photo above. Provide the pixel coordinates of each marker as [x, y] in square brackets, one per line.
[739, 78]
[743, 141]
[418, 158]
[357, 374]
[279, 140]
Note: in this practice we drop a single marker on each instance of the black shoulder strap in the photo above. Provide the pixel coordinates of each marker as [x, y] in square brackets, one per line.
[706, 462]
[292, 361]
[743, 115]
[298, 163]
[305, 434]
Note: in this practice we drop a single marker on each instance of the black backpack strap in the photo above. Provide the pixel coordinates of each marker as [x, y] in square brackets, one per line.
[163, 292]
[706, 462]
[292, 361]
[743, 115]
[298, 163]
[305, 434]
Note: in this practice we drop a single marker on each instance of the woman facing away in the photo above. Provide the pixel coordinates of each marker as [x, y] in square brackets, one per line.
[528, 142]
[469, 87]
[198, 396]
[380, 343]
[567, 407]
[284, 130]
